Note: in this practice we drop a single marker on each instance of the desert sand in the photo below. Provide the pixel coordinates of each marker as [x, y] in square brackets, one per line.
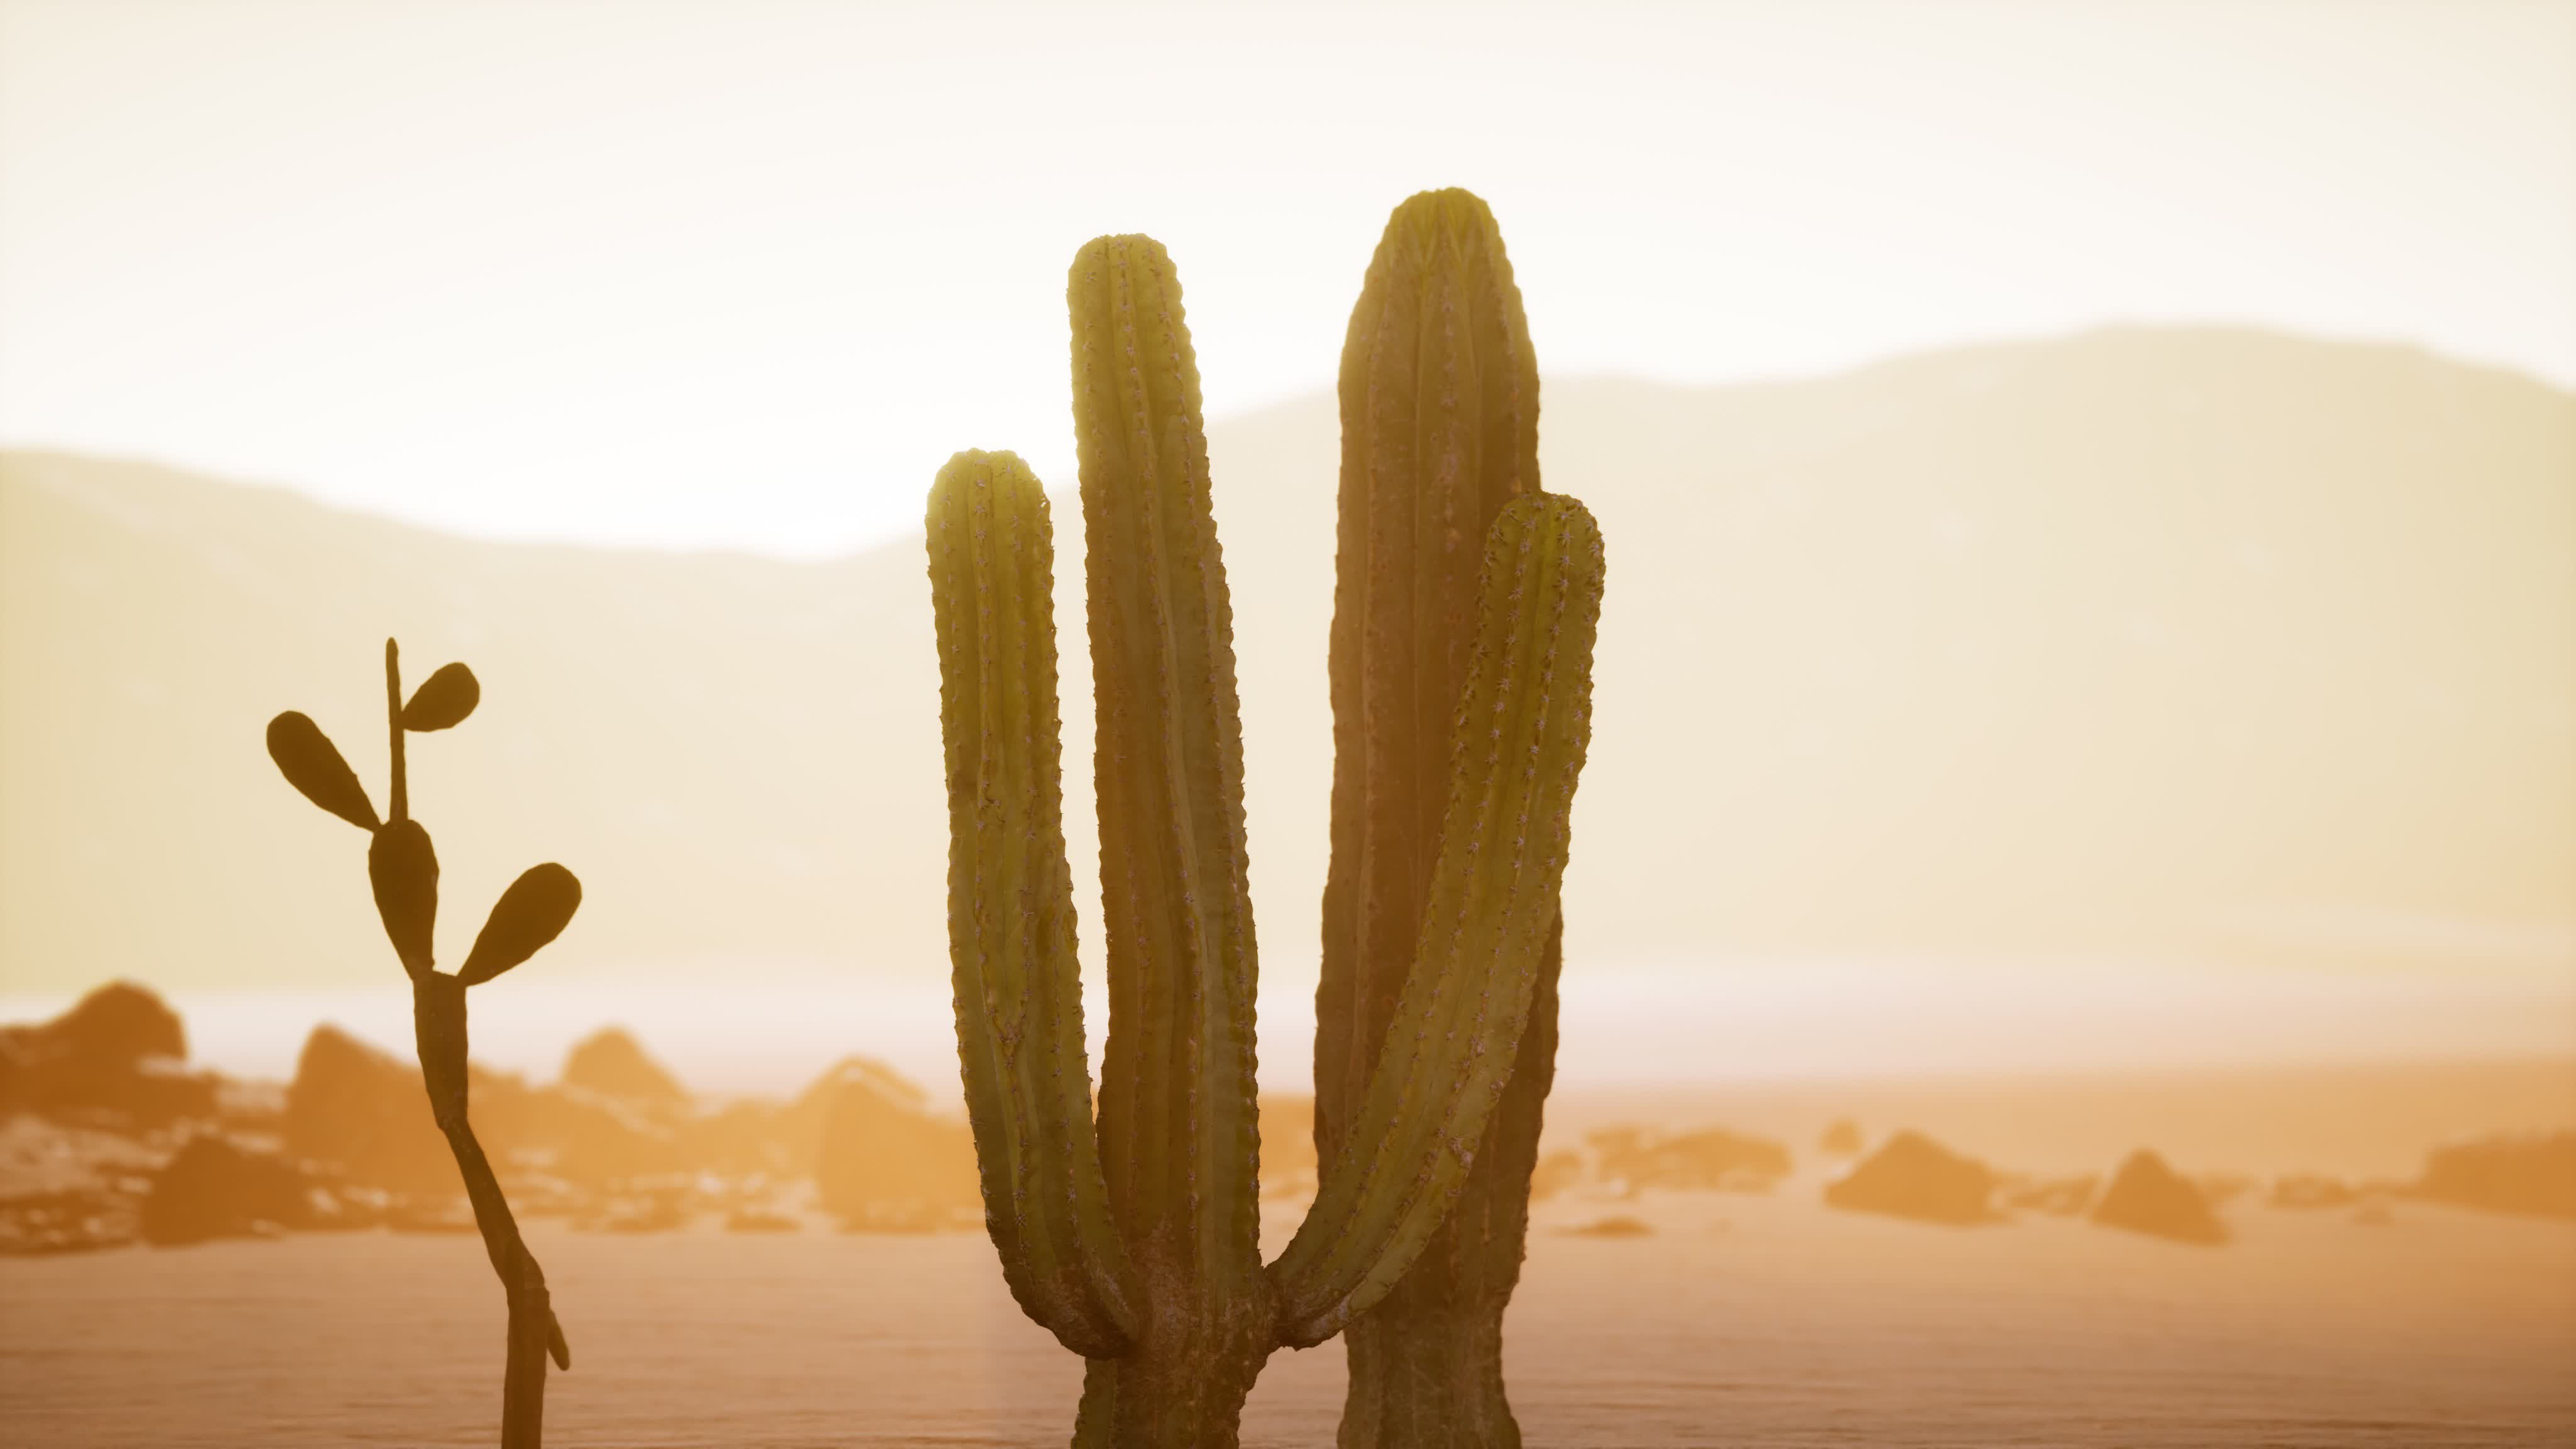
[1738, 1317]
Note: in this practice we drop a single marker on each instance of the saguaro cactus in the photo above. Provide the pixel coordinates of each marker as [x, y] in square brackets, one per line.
[1135, 1239]
[403, 868]
[1439, 401]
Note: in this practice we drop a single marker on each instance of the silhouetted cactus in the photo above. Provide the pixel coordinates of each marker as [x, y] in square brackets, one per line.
[402, 866]
[1137, 1243]
[1439, 402]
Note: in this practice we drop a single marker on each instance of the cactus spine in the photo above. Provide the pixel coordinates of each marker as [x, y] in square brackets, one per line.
[402, 867]
[1135, 1240]
[1439, 402]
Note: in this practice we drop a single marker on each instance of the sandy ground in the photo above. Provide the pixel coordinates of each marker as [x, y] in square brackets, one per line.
[1740, 1319]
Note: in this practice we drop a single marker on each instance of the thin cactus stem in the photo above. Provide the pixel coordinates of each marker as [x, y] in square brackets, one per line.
[438, 1023]
[400, 808]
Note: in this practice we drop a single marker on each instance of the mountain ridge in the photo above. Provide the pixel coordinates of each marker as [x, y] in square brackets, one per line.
[2008, 650]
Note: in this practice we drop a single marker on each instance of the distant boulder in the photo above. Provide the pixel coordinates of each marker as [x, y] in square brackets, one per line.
[2310, 1192]
[598, 1141]
[1287, 1139]
[1841, 1138]
[885, 1162]
[570, 1136]
[216, 1188]
[742, 1139]
[1555, 1173]
[1709, 1159]
[117, 1060]
[1915, 1177]
[362, 1113]
[2146, 1196]
[2528, 1175]
[119, 1022]
[612, 1063]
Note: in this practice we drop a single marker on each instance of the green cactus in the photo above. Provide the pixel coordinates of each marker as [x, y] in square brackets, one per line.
[1135, 1240]
[402, 866]
[1439, 400]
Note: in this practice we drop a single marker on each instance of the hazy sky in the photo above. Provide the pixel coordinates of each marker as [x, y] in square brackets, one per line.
[745, 273]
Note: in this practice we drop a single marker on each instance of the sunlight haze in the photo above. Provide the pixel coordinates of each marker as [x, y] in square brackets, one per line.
[744, 275]
[2043, 530]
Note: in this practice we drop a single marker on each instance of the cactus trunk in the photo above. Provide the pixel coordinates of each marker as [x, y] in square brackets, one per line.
[1426, 1365]
[1136, 1240]
[1439, 400]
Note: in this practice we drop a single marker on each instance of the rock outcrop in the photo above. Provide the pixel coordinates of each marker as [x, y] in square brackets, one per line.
[214, 1187]
[1555, 1173]
[1288, 1167]
[1914, 1177]
[612, 1064]
[2310, 1192]
[360, 1114]
[2146, 1196]
[1706, 1160]
[2532, 1176]
[885, 1162]
[116, 1061]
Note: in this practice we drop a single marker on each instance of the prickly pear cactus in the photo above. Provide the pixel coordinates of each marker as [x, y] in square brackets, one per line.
[402, 866]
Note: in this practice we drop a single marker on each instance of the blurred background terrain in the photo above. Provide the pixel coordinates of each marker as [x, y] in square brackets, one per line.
[2013, 682]
[2072, 932]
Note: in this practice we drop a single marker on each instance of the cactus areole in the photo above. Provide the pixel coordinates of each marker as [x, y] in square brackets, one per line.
[1134, 1238]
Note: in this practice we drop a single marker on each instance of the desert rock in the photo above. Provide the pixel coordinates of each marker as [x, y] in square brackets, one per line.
[216, 1188]
[2146, 1196]
[1916, 1177]
[885, 1162]
[117, 1060]
[1708, 1159]
[2304, 1192]
[613, 1064]
[362, 1114]
[2530, 1175]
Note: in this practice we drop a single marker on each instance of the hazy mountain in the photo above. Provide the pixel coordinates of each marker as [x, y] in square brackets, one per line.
[2138, 643]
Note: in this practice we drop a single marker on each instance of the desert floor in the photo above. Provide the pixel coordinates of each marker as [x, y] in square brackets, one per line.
[1740, 1319]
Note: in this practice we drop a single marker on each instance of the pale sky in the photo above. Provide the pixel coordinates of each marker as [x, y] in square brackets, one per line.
[743, 274]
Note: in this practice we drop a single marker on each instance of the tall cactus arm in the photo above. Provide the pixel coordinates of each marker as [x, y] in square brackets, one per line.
[1439, 402]
[1010, 904]
[1522, 726]
[1179, 1140]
